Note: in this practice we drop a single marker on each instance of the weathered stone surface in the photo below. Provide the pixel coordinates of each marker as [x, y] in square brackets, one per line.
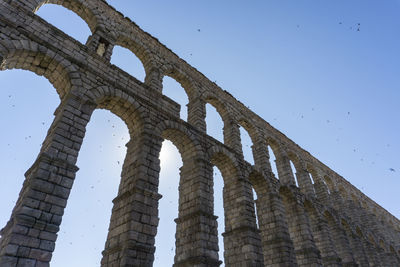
[327, 222]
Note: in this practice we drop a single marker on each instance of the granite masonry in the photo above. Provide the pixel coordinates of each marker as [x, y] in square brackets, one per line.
[322, 221]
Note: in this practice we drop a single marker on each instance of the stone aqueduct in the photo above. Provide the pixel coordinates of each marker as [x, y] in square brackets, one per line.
[325, 223]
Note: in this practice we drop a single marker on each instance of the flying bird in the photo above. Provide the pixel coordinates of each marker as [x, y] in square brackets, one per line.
[392, 170]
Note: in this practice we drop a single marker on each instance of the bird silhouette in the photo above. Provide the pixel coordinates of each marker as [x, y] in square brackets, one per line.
[392, 170]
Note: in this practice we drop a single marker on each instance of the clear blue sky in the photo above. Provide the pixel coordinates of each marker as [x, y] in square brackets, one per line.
[301, 65]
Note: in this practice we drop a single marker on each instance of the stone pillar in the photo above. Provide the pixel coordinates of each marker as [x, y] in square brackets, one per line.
[384, 257]
[341, 243]
[337, 200]
[323, 239]
[134, 218]
[242, 240]
[305, 184]
[360, 255]
[277, 246]
[284, 170]
[321, 191]
[355, 241]
[373, 257]
[29, 237]
[196, 230]
[154, 78]
[261, 157]
[392, 259]
[307, 253]
[232, 136]
[197, 114]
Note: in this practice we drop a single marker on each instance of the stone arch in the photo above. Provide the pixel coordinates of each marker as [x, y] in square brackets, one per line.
[140, 51]
[359, 253]
[92, 16]
[275, 146]
[295, 159]
[359, 232]
[321, 233]
[27, 55]
[346, 225]
[241, 233]
[313, 172]
[320, 187]
[122, 105]
[186, 143]
[371, 239]
[299, 226]
[330, 184]
[231, 132]
[225, 161]
[341, 241]
[182, 78]
[260, 184]
[220, 107]
[252, 131]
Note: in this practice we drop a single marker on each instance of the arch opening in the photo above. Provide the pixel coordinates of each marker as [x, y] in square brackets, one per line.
[259, 187]
[329, 183]
[312, 182]
[96, 184]
[219, 210]
[26, 127]
[225, 169]
[170, 163]
[294, 172]
[256, 209]
[272, 160]
[126, 60]
[42, 65]
[247, 145]
[214, 122]
[175, 91]
[73, 21]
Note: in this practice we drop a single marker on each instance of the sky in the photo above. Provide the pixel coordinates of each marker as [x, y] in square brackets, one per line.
[325, 73]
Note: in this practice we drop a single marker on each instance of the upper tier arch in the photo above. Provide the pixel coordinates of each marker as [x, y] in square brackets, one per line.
[90, 14]
[28, 55]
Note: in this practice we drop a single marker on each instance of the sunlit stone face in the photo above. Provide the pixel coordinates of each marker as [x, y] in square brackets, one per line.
[101, 49]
